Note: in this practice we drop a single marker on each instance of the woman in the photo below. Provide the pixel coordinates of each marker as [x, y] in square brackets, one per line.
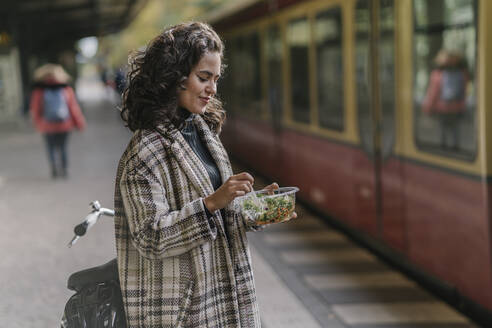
[55, 112]
[183, 254]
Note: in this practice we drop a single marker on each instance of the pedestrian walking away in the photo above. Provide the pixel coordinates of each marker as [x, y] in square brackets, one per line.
[55, 112]
[446, 96]
[181, 241]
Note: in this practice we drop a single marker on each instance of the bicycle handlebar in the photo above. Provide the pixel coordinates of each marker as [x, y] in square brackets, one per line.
[91, 219]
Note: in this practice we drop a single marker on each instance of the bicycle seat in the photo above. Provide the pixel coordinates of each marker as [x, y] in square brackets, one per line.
[95, 275]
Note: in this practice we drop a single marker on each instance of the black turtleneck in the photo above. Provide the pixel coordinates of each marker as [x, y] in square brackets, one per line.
[191, 136]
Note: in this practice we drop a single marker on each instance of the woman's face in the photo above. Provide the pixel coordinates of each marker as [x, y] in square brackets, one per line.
[201, 84]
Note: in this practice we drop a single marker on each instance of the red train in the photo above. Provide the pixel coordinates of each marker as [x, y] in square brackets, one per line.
[331, 96]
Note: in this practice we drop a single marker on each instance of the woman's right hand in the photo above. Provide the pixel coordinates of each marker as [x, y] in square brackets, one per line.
[237, 185]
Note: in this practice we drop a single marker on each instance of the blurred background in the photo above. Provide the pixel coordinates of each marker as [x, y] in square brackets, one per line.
[338, 97]
[87, 38]
[91, 40]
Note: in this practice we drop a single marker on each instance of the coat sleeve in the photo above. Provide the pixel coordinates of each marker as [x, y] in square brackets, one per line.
[75, 111]
[156, 231]
[432, 94]
[35, 109]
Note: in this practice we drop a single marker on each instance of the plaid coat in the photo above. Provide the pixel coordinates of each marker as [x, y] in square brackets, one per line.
[177, 268]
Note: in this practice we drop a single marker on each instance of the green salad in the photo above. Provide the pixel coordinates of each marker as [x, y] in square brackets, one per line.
[265, 210]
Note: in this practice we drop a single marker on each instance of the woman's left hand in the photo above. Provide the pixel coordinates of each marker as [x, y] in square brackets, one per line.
[271, 188]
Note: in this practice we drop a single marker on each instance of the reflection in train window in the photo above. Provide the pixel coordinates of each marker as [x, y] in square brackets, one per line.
[225, 89]
[445, 39]
[328, 31]
[363, 74]
[246, 61]
[386, 74]
[298, 41]
[233, 91]
[273, 49]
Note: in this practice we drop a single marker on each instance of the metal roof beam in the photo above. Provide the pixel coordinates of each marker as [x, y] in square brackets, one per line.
[55, 11]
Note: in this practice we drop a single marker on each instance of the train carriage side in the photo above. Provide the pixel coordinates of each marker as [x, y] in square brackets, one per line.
[330, 96]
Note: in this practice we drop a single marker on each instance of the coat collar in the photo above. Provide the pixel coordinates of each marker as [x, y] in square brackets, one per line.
[215, 147]
[189, 161]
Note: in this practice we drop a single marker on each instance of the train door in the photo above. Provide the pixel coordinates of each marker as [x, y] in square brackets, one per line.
[382, 212]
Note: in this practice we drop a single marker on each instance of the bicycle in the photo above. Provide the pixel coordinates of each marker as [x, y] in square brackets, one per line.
[97, 302]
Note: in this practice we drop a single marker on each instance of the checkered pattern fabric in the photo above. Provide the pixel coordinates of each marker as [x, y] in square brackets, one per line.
[177, 268]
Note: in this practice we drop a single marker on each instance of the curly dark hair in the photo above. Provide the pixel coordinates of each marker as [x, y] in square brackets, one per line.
[156, 73]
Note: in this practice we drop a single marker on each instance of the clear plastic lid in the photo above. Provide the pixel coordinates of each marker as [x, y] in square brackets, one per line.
[269, 206]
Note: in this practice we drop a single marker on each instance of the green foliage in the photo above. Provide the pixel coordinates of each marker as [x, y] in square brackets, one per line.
[153, 18]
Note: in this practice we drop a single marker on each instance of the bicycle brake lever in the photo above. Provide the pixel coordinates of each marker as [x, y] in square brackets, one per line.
[73, 241]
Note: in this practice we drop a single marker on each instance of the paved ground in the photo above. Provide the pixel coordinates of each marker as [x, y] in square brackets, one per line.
[38, 215]
[307, 275]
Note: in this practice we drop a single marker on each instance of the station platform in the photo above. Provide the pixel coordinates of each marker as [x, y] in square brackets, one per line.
[307, 274]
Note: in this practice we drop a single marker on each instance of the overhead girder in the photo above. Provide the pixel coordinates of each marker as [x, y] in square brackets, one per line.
[46, 30]
[48, 22]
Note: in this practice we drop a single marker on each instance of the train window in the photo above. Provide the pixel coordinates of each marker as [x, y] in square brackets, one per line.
[375, 74]
[298, 44]
[328, 31]
[273, 49]
[246, 61]
[226, 87]
[363, 28]
[445, 39]
[232, 91]
[386, 74]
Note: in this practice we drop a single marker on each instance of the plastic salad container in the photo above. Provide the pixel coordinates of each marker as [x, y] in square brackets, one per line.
[269, 206]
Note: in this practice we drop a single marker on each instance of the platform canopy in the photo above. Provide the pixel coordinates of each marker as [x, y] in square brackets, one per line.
[53, 22]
